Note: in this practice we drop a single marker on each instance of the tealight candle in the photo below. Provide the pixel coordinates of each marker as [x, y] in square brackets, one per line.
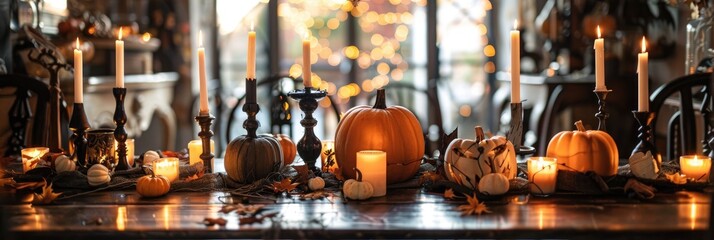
[373, 165]
[195, 149]
[542, 175]
[31, 157]
[696, 167]
[167, 167]
[328, 145]
[129, 151]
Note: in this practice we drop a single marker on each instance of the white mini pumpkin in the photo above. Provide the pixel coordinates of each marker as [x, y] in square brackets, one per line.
[468, 160]
[65, 164]
[316, 183]
[150, 156]
[493, 184]
[98, 175]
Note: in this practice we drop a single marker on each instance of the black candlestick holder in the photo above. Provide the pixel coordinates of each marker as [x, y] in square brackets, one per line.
[79, 124]
[515, 134]
[120, 134]
[602, 114]
[205, 121]
[309, 146]
[645, 133]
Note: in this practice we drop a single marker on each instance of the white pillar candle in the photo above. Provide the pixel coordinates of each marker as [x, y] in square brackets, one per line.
[306, 72]
[373, 165]
[78, 84]
[250, 71]
[31, 157]
[599, 47]
[515, 64]
[195, 149]
[203, 92]
[542, 175]
[129, 151]
[167, 167]
[120, 60]
[643, 104]
[696, 167]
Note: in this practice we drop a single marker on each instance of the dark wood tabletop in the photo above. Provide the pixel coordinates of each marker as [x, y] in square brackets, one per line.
[403, 213]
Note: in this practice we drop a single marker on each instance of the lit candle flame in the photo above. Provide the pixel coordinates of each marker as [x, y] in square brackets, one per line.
[599, 34]
[200, 38]
[77, 44]
[644, 49]
[121, 32]
[252, 26]
[515, 24]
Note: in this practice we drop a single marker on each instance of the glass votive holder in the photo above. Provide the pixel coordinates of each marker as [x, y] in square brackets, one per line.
[167, 167]
[695, 167]
[542, 175]
[32, 157]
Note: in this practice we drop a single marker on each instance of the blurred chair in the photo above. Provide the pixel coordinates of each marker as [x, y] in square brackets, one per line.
[689, 98]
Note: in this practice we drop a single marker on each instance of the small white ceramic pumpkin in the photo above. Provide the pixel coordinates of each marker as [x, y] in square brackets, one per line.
[356, 189]
[316, 183]
[98, 175]
[150, 156]
[493, 184]
[469, 160]
[65, 164]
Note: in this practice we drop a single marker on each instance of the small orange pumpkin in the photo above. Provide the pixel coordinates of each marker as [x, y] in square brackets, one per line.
[288, 146]
[152, 185]
[585, 150]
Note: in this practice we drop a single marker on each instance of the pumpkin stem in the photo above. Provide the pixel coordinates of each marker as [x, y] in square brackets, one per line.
[381, 102]
[579, 125]
[479, 134]
[359, 174]
[153, 175]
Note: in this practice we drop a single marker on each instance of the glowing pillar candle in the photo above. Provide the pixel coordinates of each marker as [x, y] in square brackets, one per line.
[203, 92]
[120, 60]
[599, 47]
[129, 151]
[542, 175]
[31, 157]
[696, 167]
[328, 145]
[250, 71]
[306, 71]
[515, 64]
[643, 104]
[167, 167]
[195, 149]
[78, 82]
[373, 165]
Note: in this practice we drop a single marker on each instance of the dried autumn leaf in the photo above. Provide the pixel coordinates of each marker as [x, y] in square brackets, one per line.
[27, 185]
[473, 207]
[243, 209]
[315, 195]
[676, 178]
[196, 176]
[430, 176]
[47, 195]
[303, 174]
[214, 221]
[449, 194]
[285, 185]
[255, 219]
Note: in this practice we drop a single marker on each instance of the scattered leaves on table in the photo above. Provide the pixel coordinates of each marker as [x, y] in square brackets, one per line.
[303, 174]
[215, 221]
[286, 185]
[243, 209]
[430, 176]
[315, 195]
[676, 178]
[449, 194]
[255, 219]
[47, 196]
[473, 207]
[196, 176]
[27, 185]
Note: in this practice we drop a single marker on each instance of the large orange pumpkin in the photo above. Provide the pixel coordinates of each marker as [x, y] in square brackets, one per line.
[585, 150]
[394, 130]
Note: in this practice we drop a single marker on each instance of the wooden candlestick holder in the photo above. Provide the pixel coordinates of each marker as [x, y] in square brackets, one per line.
[120, 134]
[79, 124]
[205, 121]
[515, 133]
[602, 114]
[309, 146]
[645, 133]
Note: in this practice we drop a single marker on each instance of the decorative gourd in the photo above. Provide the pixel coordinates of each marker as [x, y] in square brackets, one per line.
[493, 184]
[152, 185]
[316, 183]
[584, 150]
[468, 161]
[356, 189]
[65, 164]
[394, 130]
[98, 175]
[288, 147]
[149, 157]
[249, 158]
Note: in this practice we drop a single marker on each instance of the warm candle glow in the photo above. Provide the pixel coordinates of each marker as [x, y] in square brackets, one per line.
[77, 44]
[200, 38]
[167, 167]
[373, 165]
[195, 149]
[542, 174]
[121, 32]
[644, 45]
[515, 24]
[31, 157]
[696, 167]
[252, 26]
[599, 34]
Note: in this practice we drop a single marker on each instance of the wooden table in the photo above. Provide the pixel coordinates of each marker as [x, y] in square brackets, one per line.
[403, 213]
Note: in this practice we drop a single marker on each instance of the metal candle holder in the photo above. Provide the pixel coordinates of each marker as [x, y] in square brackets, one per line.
[645, 133]
[205, 121]
[309, 146]
[515, 134]
[120, 134]
[79, 124]
[601, 114]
